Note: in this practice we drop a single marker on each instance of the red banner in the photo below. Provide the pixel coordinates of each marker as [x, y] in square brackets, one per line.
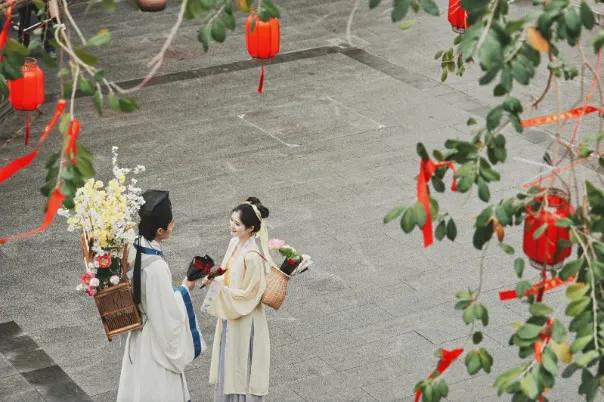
[71, 150]
[8, 15]
[446, 359]
[426, 171]
[552, 118]
[54, 203]
[545, 286]
[10, 169]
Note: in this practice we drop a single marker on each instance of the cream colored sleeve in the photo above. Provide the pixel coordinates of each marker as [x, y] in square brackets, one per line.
[231, 304]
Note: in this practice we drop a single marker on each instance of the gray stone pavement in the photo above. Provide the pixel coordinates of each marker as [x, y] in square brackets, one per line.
[362, 325]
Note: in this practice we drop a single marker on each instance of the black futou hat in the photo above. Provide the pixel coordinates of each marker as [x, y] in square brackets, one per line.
[157, 206]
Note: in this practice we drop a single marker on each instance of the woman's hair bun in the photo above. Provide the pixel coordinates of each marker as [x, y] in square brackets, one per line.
[263, 210]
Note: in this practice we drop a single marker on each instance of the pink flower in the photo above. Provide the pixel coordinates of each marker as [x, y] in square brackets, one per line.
[85, 279]
[276, 244]
[91, 292]
[94, 282]
[114, 280]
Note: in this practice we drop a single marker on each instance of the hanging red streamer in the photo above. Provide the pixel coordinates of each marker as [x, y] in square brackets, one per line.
[18, 164]
[552, 118]
[426, 170]
[73, 132]
[543, 286]
[446, 359]
[261, 81]
[54, 203]
[8, 15]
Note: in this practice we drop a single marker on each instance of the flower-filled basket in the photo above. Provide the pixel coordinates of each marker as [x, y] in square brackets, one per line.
[105, 217]
[278, 279]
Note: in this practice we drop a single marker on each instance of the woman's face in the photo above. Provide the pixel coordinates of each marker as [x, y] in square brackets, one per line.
[237, 228]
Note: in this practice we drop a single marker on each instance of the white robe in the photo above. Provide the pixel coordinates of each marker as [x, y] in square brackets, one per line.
[156, 356]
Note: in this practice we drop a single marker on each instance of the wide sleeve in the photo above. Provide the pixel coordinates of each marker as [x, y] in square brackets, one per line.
[230, 303]
[175, 330]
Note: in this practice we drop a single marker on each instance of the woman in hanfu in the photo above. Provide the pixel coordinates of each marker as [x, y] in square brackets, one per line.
[156, 356]
[241, 351]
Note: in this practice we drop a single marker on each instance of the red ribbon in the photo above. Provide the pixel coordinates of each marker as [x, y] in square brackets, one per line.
[54, 203]
[73, 131]
[261, 81]
[446, 359]
[551, 118]
[540, 286]
[8, 15]
[426, 171]
[16, 165]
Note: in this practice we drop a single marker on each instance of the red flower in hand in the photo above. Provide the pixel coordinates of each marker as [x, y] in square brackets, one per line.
[104, 261]
[292, 262]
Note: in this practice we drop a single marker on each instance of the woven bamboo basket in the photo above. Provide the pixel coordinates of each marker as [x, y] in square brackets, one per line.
[276, 288]
[116, 306]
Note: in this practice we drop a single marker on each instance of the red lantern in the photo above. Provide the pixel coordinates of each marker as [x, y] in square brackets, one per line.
[27, 93]
[263, 41]
[458, 17]
[544, 251]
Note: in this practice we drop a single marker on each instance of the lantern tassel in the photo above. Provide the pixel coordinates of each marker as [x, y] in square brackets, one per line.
[261, 81]
[27, 128]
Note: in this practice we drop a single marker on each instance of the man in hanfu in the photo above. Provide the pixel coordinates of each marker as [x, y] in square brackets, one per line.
[155, 356]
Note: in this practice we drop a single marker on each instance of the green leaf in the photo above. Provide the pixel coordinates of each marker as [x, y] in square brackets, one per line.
[540, 230]
[521, 288]
[128, 105]
[507, 248]
[393, 214]
[408, 220]
[468, 314]
[577, 307]
[558, 331]
[109, 5]
[101, 38]
[442, 388]
[549, 361]
[420, 214]
[507, 378]
[15, 47]
[486, 360]
[477, 337]
[483, 190]
[586, 358]
[529, 331]
[430, 7]
[86, 57]
[218, 32]
[374, 3]
[471, 121]
[587, 16]
[473, 362]
[540, 310]
[229, 21]
[494, 117]
[98, 102]
[481, 236]
[563, 223]
[400, 9]
[451, 230]
[407, 24]
[86, 86]
[203, 36]
[528, 385]
[519, 266]
[440, 230]
[598, 41]
[580, 343]
[571, 268]
[577, 290]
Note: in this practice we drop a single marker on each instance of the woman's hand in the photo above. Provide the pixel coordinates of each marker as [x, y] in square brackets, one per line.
[205, 281]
